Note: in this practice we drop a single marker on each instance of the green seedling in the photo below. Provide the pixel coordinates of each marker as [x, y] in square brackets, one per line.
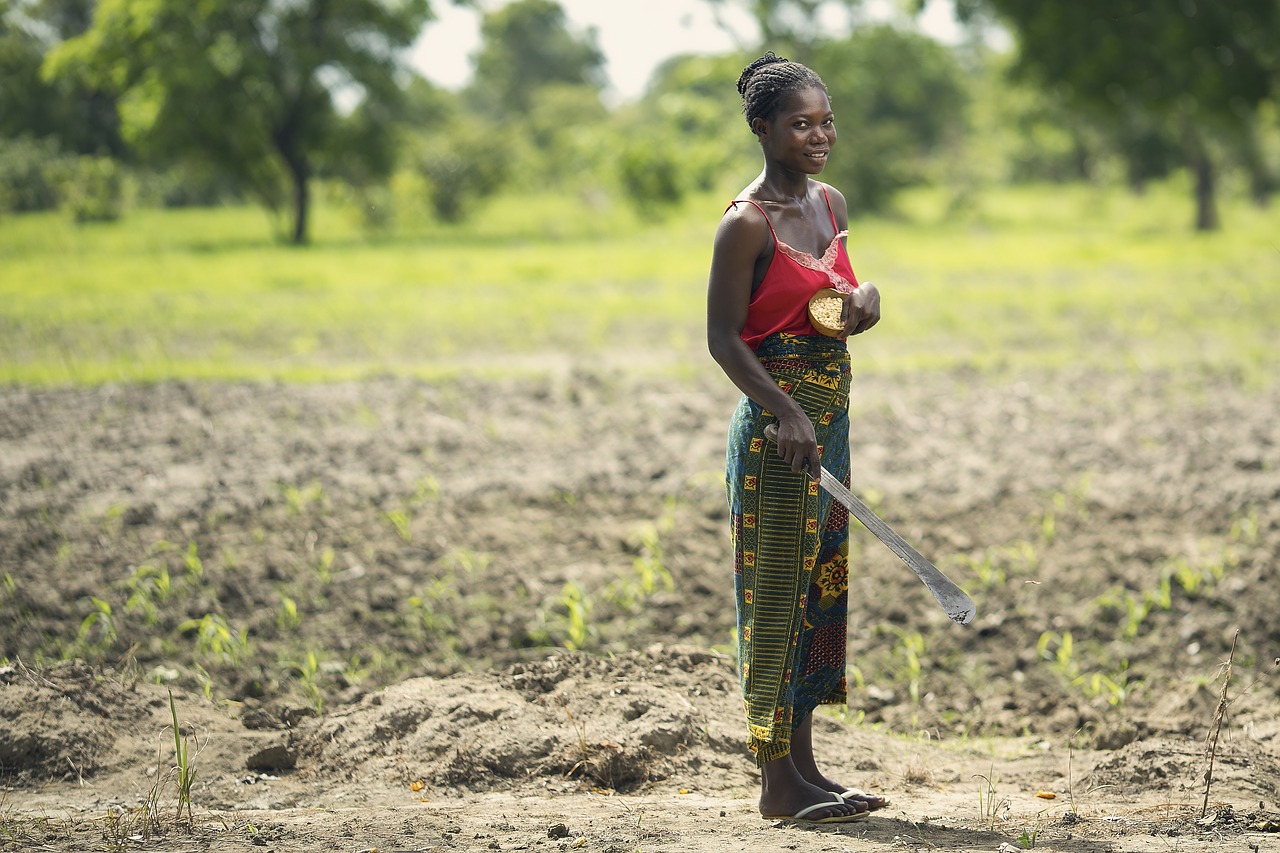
[184, 767]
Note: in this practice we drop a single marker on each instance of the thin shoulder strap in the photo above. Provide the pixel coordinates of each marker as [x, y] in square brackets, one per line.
[830, 210]
[738, 201]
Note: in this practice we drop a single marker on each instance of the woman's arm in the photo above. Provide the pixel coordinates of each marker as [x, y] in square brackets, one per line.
[741, 239]
[862, 307]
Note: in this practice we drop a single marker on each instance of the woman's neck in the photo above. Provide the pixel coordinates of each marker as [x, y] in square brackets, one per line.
[784, 189]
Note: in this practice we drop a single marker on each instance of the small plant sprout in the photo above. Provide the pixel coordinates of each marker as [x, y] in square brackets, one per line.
[577, 606]
[287, 618]
[184, 767]
[192, 562]
[100, 617]
[400, 522]
[991, 805]
[217, 639]
[308, 672]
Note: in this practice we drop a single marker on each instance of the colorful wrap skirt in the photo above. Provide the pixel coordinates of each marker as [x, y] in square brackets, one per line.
[791, 547]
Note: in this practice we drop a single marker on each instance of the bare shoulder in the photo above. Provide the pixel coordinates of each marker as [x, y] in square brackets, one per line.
[743, 224]
[839, 206]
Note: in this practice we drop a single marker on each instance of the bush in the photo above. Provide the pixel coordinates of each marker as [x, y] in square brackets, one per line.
[650, 175]
[459, 174]
[95, 189]
[29, 174]
[185, 185]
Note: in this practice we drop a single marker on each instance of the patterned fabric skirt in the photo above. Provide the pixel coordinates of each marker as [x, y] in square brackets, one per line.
[791, 547]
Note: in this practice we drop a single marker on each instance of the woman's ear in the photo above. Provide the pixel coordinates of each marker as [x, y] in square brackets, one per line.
[760, 128]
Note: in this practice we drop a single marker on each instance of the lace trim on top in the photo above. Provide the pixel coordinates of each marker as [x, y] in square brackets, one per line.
[825, 264]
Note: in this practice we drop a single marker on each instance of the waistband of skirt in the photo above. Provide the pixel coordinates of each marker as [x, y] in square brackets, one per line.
[812, 347]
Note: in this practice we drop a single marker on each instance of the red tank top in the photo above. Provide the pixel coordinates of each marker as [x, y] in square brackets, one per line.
[781, 302]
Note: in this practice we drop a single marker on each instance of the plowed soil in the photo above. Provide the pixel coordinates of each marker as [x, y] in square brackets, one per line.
[474, 615]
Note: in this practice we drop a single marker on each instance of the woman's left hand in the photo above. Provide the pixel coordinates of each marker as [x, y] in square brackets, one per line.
[861, 308]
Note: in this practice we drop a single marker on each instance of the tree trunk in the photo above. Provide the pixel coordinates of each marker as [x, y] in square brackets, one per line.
[1206, 195]
[300, 174]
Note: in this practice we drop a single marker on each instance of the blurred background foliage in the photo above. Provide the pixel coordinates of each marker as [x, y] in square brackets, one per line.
[107, 106]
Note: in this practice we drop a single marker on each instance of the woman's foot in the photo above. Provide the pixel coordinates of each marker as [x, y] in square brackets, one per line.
[784, 794]
[806, 765]
[873, 802]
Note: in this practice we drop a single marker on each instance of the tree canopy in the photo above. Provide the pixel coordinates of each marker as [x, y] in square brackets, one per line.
[1201, 68]
[261, 88]
[527, 46]
[79, 118]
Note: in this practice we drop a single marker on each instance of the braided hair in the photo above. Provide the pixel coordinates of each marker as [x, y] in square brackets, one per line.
[765, 83]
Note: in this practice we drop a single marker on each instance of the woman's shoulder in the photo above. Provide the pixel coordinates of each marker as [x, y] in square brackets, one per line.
[745, 212]
[744, 227]
[839, 206]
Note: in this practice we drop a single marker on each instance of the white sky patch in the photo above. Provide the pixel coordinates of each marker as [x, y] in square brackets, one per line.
[636, 36]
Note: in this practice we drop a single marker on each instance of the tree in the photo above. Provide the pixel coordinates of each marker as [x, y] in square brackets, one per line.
[1200, 69]
[80, 118]
[898, 98]
[259, 88]
[686, 132]
[526, 46]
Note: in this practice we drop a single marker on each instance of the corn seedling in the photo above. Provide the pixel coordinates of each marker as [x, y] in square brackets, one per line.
[184, 766]
[300, 499]
[1048, 526]
[113, 521]
[149, 585]
[101, 618]
[471, 562]
[400, 523]
[324, 566]
[287, 618]
[192, 563]
[426, 607]
[426, 491]
[307, 673]
[1057, 649]
[986, 571]
[215, 638]
[1114, 688]
[577, 610]
[910, 645]
[991, 806]
[1245, 528]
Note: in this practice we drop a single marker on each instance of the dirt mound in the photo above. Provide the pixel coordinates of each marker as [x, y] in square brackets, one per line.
[61, 723]
[615, 723]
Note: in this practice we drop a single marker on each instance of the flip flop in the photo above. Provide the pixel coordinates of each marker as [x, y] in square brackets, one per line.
[874, 802]
[802, 816]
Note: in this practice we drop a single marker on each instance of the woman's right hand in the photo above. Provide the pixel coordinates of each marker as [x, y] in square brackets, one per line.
[798, 445]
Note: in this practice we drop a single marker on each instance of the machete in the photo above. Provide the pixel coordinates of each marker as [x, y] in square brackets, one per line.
[955, 602]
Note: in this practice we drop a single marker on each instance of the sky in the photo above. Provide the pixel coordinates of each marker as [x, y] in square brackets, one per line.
[636, 36]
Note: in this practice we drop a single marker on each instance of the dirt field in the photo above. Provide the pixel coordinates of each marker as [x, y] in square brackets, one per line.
[494, 616]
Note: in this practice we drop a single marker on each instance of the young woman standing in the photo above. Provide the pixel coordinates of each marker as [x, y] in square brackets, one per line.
[778, 244]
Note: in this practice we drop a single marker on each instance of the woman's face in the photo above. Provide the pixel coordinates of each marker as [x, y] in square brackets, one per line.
[800, 136]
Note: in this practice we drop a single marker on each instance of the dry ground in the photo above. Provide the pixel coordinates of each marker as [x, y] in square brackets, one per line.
[442, 544]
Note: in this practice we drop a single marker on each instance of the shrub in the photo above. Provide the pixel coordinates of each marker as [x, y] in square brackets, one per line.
[29, 170]
[95, 189]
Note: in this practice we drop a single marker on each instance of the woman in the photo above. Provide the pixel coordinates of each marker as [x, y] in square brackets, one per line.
[778, 243]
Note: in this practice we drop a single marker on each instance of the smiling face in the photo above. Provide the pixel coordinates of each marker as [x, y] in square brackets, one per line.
[800, 135]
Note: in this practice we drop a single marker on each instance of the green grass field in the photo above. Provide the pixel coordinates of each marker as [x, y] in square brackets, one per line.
[1039, 277]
